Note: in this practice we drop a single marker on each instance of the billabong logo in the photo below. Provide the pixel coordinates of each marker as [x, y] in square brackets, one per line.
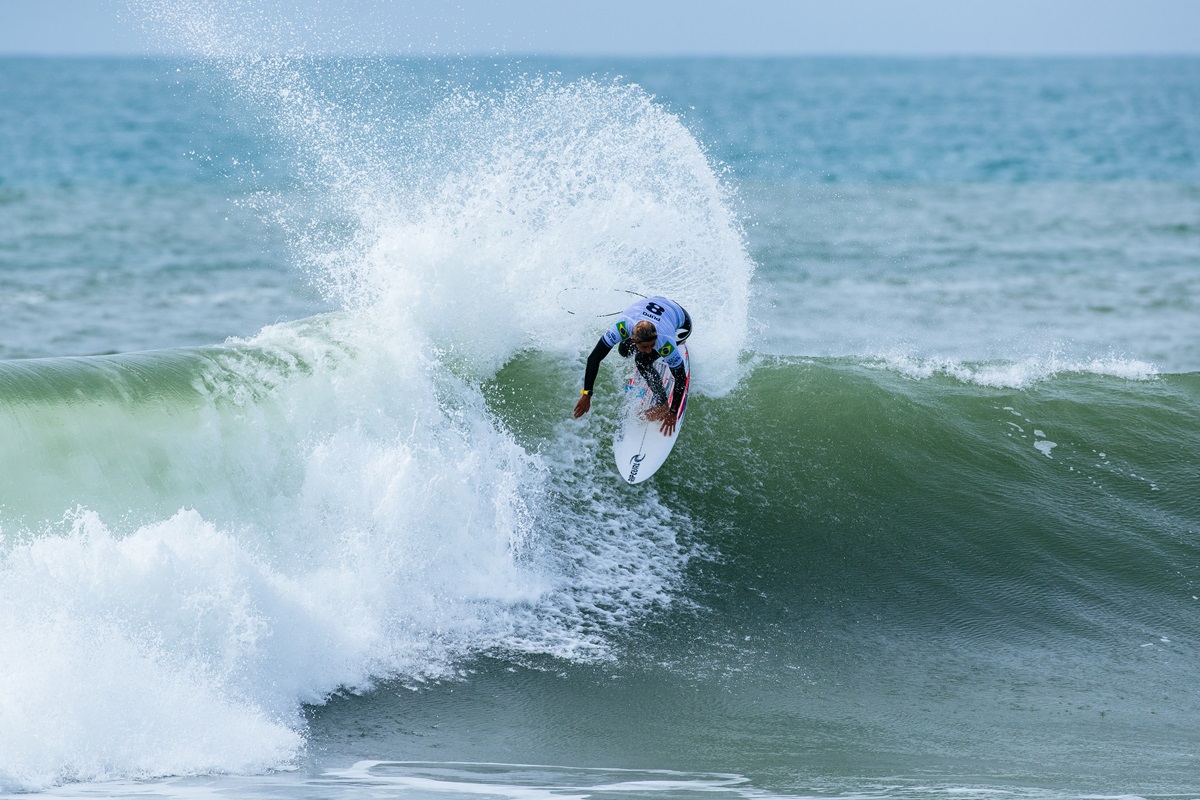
[634, 464]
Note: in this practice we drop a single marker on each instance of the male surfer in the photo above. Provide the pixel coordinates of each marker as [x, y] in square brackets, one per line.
[651, 328]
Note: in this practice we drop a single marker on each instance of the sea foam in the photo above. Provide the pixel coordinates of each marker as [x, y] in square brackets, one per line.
[1018, 374]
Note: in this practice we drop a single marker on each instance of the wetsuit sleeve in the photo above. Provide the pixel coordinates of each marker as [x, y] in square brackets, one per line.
[680, 376]
[593, 364]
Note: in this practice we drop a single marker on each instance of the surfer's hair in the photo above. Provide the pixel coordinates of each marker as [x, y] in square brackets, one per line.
[644, 332]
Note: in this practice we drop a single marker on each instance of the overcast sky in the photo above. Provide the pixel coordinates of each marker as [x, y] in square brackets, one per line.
[652, 27]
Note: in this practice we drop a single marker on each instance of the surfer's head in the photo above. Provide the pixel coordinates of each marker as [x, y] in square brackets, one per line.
[644, 336]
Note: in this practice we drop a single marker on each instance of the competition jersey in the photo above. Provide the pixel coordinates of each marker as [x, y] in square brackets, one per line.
[666, 315]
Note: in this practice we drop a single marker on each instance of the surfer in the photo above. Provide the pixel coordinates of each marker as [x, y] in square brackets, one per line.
[649, 329]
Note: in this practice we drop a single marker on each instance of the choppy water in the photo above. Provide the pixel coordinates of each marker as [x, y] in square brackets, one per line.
[291, 503]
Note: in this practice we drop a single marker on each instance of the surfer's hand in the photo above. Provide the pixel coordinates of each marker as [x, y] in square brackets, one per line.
[669, 421]
[655, 413]
[583, 406]
[662, 413]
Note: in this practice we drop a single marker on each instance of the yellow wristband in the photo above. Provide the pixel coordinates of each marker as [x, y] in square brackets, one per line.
[585, 392]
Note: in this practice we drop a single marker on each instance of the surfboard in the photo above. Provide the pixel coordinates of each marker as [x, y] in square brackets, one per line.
[639, 447]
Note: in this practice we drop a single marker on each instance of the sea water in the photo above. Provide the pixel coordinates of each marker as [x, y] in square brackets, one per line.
[292, 503]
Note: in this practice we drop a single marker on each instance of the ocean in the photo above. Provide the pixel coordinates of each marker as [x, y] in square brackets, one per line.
[292, 503]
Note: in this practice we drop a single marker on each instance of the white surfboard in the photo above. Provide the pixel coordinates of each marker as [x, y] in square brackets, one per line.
[640, 447]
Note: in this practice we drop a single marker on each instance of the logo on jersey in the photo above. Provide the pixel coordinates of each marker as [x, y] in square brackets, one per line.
[666, 350]
[623, 329]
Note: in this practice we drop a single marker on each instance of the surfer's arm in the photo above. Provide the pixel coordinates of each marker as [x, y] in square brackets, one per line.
[669, 416]
[680, 376]
[662, 412]
[593, 364]
[584, 404]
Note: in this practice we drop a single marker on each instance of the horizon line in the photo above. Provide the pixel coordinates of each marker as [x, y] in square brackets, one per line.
[948, 54]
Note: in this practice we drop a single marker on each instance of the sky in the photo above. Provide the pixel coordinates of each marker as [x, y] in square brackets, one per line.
[647, 27]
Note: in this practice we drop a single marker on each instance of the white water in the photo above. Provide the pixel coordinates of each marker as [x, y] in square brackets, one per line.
[1016, 374]
[332, 503]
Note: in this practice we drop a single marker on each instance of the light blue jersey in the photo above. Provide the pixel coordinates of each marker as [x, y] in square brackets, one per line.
[667, 317]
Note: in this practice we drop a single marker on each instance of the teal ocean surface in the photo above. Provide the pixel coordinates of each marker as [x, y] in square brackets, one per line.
[292, 503]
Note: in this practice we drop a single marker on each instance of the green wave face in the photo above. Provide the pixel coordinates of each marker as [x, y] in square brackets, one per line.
[141, 435]
[938, 492]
